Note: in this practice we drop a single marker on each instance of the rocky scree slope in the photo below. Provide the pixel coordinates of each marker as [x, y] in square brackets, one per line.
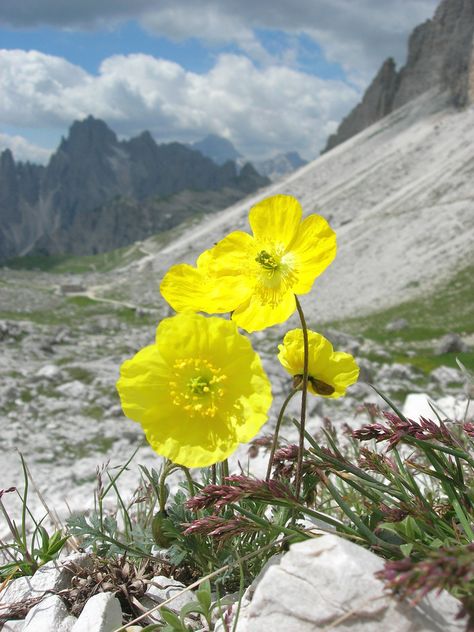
[440, 57]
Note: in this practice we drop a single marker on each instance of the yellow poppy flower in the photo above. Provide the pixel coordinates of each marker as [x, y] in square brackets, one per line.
[256, 277]
[329, 372]
[198, 392]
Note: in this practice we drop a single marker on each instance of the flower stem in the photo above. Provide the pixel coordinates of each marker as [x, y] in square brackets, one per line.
[304, 387]
[277, 431]
[224, 470]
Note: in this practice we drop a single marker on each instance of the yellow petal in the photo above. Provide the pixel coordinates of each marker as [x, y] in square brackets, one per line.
[335, 369]
[187, 288]
[275, 220]
[193, 427]
[254, 315]
[143, 381]
[313, 248]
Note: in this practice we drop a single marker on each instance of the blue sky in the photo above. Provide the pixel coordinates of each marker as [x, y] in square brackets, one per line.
[269, 76]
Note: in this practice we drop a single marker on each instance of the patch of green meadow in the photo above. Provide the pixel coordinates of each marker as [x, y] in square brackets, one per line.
[447, 309]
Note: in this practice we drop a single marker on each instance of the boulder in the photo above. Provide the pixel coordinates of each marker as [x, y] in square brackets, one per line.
[329, 583]
[48, 615]
[102, 613]
[397, 325]
[451, 343]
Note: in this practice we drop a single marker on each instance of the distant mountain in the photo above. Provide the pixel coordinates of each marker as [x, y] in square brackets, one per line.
[280, 165]
[440, 58]
[95, 188]
[218, 149]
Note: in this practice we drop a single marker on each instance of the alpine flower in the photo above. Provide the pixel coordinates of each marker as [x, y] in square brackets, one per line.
[198, 392]
[329, 372]
[256, 277]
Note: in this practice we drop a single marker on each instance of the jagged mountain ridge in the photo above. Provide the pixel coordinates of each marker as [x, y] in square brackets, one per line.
[92, 172]
[440, 57]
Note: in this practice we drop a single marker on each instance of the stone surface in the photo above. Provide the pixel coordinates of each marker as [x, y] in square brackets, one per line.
[102, 613]
[397, 325]
[329, 583]
[13, 626]
[49, 615]
[451, 343]
[52, 576]
[440, 58]
[161, 589]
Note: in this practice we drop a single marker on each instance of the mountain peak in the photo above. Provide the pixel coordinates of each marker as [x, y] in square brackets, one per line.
[89, 133]
[440, 58]
[218, 149]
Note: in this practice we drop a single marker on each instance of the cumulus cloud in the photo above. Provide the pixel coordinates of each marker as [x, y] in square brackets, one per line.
[357, 35]
[262, 109]
[23, 149]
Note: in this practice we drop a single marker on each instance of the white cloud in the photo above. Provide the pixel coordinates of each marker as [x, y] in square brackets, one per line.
[262, 109]
[23, 149]
[358, 35]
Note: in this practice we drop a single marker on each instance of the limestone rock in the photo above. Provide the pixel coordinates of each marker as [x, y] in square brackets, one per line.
[440, 58]
[397, 325]
[161, 589]
[102, 613]
[53, 576]
[329, 582]
[13, 625]
[48, 615]
[451, 343]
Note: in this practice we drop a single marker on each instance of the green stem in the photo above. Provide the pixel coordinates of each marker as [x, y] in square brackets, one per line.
[189, 480]
[224, 471]
[304, 393]
[162, 485]
[277, 431]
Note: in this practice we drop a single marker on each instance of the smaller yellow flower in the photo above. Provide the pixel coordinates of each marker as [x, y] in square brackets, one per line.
[329, 372]
[198, 392]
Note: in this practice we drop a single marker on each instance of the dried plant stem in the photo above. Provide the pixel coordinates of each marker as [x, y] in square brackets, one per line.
[304, 393]
[277, 431]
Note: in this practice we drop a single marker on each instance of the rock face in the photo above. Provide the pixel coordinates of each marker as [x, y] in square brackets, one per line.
[95, 186]
[280, 165]
[440, 57]
[329, 583]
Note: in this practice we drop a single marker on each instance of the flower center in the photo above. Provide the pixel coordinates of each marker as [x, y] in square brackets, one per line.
[275, 276]
[196, 386]
[267, 261]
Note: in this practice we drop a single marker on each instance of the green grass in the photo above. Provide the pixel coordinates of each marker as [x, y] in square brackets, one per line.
[448, 309]
[429, 317]
[60, 264]
[76, 310]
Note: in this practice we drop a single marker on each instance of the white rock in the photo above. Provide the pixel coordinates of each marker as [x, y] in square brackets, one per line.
[455, 409]
[53, 576]
[446, 374]
[329, 582]
[49, 371]
[13, 626]
[48, 615]
[102, 613]
[164, 588]
[74, 389]
[416, 405]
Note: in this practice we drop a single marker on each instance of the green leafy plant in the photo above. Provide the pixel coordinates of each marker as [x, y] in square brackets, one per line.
[31, 545]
